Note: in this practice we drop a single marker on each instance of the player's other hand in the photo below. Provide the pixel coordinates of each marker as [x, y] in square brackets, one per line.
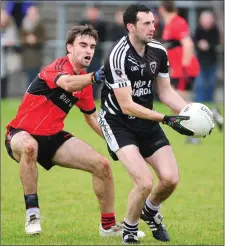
[98, 77]
[174, 122]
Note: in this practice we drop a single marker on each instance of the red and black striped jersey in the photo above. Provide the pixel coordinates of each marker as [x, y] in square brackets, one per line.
[45, 105]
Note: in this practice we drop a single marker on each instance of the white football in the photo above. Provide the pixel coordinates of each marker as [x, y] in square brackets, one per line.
[201, 119]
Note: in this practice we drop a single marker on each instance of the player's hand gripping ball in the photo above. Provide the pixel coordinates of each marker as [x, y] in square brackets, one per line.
[201, 119]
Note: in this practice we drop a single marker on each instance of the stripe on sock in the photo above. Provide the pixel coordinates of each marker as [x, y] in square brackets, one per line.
[130, 228]
[107, 215]
[149, 209]
[108, 220]
[152, 206]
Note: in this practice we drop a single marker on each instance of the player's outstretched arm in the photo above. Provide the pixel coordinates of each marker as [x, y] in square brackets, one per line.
[129, 107]
[73, 83]
[168, 95]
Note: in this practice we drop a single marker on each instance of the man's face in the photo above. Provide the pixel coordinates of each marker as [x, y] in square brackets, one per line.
[144, 28]
[92, 14]
[206, 20]
[82, 50]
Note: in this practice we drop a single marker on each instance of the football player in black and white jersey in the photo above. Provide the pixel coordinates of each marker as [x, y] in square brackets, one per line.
[131, 126]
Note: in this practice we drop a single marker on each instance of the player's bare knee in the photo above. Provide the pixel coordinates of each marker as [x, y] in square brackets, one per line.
[170, 180]
[145, 186]
[30, 148]
[104, 168]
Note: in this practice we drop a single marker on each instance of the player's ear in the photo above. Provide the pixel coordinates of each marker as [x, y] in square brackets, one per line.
[130, 27]
[69, 48]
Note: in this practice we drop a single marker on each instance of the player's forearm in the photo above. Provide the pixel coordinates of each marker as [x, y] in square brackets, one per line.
[188, 51]
[134, 109]
[93, 123]
[95, 126]
[173, 100]
[77, 82]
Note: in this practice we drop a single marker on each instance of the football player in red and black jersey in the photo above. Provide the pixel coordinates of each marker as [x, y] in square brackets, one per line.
[184, 66]
[36, 133]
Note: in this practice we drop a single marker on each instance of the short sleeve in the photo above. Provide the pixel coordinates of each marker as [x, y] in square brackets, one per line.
[181, 29]
[51, 76]
[115, 66]
[86, 102]
[164, 65]
[53, 71]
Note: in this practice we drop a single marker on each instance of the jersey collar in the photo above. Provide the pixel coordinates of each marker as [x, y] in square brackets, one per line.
[134, 50]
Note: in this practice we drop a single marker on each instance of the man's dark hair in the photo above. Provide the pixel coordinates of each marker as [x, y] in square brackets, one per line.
[84, 30]
[169, 6]
[130, 14]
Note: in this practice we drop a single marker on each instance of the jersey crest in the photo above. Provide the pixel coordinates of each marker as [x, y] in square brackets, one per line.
[153, 66]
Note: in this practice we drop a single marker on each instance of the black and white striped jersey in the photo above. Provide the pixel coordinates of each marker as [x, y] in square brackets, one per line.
[124, 67]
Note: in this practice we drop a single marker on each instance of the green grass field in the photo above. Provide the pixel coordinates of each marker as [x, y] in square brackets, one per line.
[193, 214]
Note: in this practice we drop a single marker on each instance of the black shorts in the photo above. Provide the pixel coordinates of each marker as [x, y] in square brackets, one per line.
[47, 145]
[118, 135]
[185, 85]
